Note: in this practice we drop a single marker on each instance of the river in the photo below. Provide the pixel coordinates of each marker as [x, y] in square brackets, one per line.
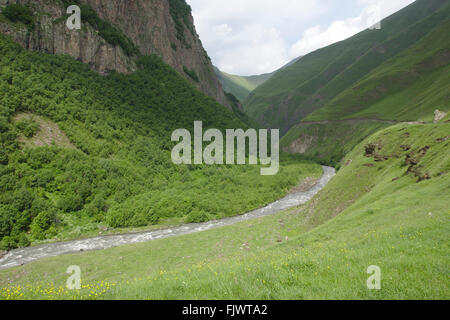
[22, 256]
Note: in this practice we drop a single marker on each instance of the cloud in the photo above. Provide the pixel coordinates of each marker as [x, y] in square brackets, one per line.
[254, 49]
[248, 36]
[373, 12]
[258, 36]
[315, 38]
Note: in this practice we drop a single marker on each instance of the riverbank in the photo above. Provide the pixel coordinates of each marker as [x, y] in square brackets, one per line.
[22, 256]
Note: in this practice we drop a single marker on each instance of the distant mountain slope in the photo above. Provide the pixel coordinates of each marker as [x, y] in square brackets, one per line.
[319, 77]
[241, 86]
[408, 87]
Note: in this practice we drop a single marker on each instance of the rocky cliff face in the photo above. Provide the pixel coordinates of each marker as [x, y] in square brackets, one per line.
[161, 27]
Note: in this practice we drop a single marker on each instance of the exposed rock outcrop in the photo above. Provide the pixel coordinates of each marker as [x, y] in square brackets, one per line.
[151, 25]
[439, 115]
[302, 144]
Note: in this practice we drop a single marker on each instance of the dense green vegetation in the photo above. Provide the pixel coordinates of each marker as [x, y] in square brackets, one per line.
[314, 81]
[28, 127]
[240, 86]
[191, 73]
[19, 13]
[329, 142]
[117, 171]
[236, 106]
[106, 30]
[181, 13]
[387, 206]
[373, 212]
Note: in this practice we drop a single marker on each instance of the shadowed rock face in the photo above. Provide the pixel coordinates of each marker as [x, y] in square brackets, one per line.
[147, 23]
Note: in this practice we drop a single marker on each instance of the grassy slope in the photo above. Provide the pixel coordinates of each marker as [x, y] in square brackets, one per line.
[415, 82]
[371, 213]
[240, 86]
[407, 87]
[319, 77]
[119, 164]
[329, 142]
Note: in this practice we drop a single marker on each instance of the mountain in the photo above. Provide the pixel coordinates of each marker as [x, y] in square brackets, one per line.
[375, 75]
[110, 40]
[241, 86]
[84, 150]
[411, 87]
[86, 153]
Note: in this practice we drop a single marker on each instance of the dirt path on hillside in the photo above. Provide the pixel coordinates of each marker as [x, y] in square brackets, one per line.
[357, 120]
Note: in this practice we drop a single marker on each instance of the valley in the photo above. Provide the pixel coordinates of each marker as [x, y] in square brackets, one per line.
[88, 177]
[21, 256]
[392, 221]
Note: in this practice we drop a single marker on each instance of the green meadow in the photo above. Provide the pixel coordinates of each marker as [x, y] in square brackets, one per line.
[381, 209]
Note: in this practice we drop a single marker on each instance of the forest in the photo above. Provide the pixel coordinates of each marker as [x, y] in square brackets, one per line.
[117, 171]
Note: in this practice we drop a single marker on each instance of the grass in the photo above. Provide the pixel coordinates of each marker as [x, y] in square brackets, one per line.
[329, 141]
[415, 82]
[314, 82]
[48, 133]
[240, 86]
[407, 87]
[371, 213]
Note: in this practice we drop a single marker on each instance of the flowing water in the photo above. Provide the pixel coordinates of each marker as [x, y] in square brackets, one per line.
[21, 256]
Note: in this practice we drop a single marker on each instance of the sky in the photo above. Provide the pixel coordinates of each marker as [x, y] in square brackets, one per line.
[251, 37]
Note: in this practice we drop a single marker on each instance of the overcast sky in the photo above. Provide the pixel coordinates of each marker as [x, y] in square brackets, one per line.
[249, 37]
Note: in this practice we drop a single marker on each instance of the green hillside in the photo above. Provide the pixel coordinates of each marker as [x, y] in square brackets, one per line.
[388, 206]
[319, 77]
[240, 86]
[81, 152]
[408, 87]
[84, 154]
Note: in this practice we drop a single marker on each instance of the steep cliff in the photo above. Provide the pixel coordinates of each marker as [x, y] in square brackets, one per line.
[115, 32]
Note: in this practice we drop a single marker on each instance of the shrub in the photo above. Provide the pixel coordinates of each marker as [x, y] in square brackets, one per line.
[7, 214]
[7, 243]
[3, 125]
[22, 199]
[12, 242]
[105, 29]
[42, 223]
[191, 73]
[28, 127]
[133, 213]
[97, 206]
[3, 158]
[197, 217]
[70, 203]
[19, 13]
